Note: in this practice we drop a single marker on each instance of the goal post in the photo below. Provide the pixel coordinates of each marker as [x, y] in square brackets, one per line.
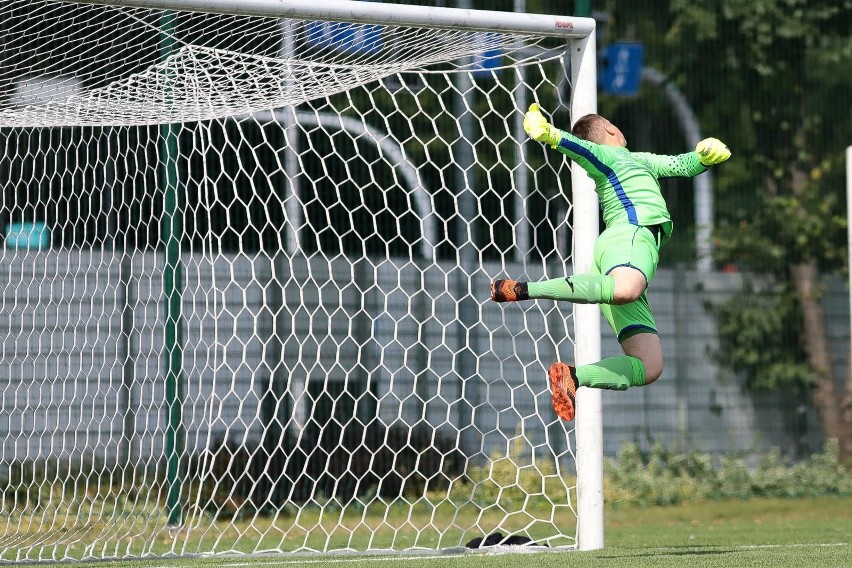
[245, 279]
[589, 430]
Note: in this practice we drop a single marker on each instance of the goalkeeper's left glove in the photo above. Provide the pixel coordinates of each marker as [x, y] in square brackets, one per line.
[537, 127]
[712, 151]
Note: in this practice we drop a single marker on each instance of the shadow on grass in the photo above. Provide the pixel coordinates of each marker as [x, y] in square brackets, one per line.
[673, 551]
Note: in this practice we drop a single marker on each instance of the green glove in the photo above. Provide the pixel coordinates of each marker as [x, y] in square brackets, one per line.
[712, 151]
[537, 127]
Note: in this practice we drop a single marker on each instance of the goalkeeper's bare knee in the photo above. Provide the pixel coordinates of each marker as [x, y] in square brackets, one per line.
[630, 284]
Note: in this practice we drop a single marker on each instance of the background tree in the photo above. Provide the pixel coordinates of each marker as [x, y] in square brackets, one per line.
[768, 75]
[772, 78]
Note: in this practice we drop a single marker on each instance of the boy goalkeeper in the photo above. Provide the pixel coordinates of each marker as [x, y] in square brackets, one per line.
[626, 252]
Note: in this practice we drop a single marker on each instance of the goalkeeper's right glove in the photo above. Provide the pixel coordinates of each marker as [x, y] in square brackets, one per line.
[712, 151]
[537, 127]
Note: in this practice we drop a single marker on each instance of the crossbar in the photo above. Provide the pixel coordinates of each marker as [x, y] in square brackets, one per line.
[376, 13]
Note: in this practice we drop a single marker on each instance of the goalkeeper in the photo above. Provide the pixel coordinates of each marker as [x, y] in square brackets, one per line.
[626, 252]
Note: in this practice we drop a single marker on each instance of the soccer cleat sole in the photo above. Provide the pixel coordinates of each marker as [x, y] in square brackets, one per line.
[563, 391]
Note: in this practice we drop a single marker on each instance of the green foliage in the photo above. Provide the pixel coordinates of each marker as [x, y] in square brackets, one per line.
[757, 337]
[653, 479]
[770, 78]
[784, 229]
[508, 484]
[663, 477]
[773, 57]
[75, 488]
[660, 477]
[512, 482]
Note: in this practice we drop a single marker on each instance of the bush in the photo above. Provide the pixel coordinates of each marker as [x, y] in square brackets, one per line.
[233, 479]
[662, 478]
[46, 484]
[512, 482]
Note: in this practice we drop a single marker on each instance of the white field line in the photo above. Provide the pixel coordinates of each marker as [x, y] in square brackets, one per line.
[260, 563]
[799, 545]
[341, 560]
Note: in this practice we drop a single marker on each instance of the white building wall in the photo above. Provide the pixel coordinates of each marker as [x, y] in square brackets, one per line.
[63, 367]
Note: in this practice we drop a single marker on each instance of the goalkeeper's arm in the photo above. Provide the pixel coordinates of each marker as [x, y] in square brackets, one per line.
[584, 152]
[664, 166]
[708, 152]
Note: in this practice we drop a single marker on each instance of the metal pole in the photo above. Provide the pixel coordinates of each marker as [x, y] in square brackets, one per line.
[377, 13]
[848, 385]
[292, 203]
[681, 358]
[704, 183]
[125, 345]
[520, 174]
[171, 228]
[466, 333]
[277, 402]
[128, 370]
[587, 319]
[390, 150]
[849, 243]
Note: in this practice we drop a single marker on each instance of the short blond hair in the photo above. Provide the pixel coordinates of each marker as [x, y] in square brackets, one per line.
[590, 127]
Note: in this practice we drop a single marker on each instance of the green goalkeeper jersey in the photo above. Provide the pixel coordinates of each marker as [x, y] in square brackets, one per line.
[627, 182]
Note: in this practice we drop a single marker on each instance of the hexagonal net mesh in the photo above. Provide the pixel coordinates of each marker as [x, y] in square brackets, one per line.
[245, 286]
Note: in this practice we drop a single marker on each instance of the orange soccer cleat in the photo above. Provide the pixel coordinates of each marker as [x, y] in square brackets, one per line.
[563, 390]
[508, 291]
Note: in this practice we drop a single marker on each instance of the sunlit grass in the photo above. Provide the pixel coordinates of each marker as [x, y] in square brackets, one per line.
[727, 533]
[429, 523]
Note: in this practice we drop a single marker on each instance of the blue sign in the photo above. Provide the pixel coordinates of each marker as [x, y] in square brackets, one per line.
[27, 235]
[486, 61]
[490, 58]
[352, 38]
[623, 70]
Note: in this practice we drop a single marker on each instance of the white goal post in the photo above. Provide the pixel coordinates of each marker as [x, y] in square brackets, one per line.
[245, 279]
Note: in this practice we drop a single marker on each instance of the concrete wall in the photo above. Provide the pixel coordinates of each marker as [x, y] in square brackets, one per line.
[82, 371]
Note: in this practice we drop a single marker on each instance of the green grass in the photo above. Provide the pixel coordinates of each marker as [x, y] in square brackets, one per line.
[797, 533]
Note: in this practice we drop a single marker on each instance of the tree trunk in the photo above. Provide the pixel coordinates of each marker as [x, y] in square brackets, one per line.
[828, 403]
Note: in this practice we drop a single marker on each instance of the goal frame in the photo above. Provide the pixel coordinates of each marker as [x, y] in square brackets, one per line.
[580, 33]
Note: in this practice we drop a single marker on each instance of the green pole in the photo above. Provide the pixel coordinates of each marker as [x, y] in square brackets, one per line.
[583, 8]
[171, 230]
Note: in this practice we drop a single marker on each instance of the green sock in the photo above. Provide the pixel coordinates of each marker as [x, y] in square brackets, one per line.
[579, 288]
[614, 373]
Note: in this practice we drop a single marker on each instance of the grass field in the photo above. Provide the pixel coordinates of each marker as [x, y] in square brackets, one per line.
[796, 533]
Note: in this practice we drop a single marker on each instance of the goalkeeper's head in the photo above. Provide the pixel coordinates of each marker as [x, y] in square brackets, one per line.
[597, 129]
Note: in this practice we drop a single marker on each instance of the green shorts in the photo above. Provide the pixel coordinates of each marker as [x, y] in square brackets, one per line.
[636, 247]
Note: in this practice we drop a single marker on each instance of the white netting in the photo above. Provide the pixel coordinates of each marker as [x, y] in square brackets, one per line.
[189, 67]
[245, 286]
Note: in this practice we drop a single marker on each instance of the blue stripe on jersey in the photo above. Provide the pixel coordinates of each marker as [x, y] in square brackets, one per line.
[608, 172]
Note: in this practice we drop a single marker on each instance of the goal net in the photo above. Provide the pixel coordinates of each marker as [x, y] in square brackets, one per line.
[245, 278]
